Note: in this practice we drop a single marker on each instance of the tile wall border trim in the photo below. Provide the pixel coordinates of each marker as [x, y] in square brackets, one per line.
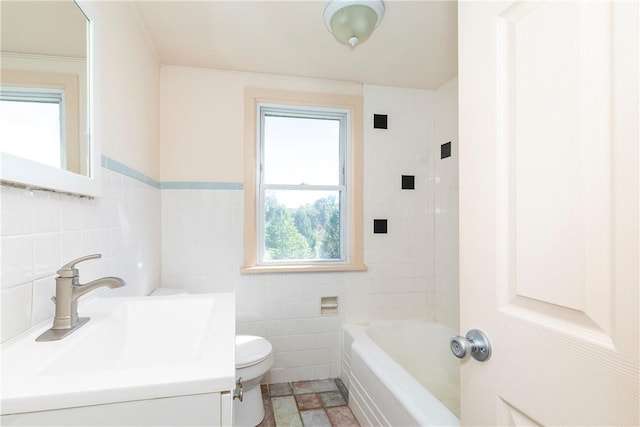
[116, 166]
[121, 168]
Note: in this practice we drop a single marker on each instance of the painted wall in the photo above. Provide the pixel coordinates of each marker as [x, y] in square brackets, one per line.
[42, 230]
[129, 88]
[202, 119]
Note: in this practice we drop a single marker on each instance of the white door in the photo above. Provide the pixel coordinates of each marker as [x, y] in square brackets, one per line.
[549, 223]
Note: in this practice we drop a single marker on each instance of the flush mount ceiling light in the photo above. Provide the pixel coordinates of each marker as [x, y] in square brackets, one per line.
[353, 21]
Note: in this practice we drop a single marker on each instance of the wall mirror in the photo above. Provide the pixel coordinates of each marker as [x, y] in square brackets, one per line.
[46, 121]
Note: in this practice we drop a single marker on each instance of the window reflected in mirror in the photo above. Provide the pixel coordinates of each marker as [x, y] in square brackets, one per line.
[30, 124]
[43, 93]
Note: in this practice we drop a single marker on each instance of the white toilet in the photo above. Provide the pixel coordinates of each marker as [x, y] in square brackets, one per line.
[254, 358]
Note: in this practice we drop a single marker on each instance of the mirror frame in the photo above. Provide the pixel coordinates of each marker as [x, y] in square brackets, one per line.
[17, 170]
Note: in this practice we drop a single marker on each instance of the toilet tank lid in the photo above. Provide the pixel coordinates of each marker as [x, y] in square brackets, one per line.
[251, 350]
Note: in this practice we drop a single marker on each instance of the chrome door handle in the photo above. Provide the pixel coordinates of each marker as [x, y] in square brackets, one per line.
[476, 343]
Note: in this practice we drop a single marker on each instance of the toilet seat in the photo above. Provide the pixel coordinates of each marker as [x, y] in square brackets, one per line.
[251, 350]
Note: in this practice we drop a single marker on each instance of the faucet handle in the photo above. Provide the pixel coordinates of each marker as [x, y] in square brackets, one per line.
[69, 270]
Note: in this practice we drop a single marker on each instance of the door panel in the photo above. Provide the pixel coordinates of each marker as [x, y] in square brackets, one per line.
[558, 152]
[549, 210]
[557, 145]
[512, 417]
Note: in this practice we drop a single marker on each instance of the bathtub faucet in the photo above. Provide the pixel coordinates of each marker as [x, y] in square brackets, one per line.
[68, 290]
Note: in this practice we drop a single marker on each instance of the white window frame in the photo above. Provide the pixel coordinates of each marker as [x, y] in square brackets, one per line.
[352, 215]
[343, 187]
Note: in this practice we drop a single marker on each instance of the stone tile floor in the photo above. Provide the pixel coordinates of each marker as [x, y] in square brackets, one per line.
[317, 403]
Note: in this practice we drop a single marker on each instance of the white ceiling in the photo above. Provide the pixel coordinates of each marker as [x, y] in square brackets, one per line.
[414, 46]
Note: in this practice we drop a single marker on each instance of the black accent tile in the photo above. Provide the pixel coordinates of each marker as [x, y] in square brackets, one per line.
[380, 226]
[408, 182]
[379, 121]
[445, 150]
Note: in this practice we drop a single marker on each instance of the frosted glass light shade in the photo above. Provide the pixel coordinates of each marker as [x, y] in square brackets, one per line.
[352, 22]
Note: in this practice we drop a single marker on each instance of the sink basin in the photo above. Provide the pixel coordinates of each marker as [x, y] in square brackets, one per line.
[131, 349]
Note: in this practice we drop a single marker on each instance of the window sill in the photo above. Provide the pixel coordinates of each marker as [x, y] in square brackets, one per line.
[308, 268]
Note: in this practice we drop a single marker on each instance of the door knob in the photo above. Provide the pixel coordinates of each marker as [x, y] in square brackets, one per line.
[476, 343]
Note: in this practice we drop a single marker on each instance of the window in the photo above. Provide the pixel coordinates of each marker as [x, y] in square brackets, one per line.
[42, 118]
[30, 124]
[303, 196]
[302, 186]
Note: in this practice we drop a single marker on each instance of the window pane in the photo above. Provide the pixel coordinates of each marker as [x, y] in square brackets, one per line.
[31, 130]
[301, 151]
[302, 225]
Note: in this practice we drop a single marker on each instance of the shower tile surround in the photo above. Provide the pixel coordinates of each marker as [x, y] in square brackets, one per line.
[189, 235]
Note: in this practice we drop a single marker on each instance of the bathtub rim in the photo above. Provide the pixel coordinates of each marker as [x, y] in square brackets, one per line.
[403, 386]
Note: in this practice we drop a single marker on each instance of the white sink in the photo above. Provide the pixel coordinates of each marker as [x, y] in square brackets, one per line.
[131, 349]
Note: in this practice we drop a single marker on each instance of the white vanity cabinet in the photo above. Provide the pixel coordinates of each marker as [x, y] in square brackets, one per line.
[210, 409]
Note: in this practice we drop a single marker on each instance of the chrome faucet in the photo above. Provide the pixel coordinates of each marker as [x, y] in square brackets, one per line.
[68, 290]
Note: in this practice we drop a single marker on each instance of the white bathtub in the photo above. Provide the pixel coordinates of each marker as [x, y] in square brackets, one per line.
[401, 373]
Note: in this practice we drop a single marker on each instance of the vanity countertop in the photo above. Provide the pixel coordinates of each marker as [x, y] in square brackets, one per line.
[132, 349]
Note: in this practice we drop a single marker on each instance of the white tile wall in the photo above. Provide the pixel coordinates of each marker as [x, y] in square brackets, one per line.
[42, 230]
[202, 252]
[400, 281]
[202, 239]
